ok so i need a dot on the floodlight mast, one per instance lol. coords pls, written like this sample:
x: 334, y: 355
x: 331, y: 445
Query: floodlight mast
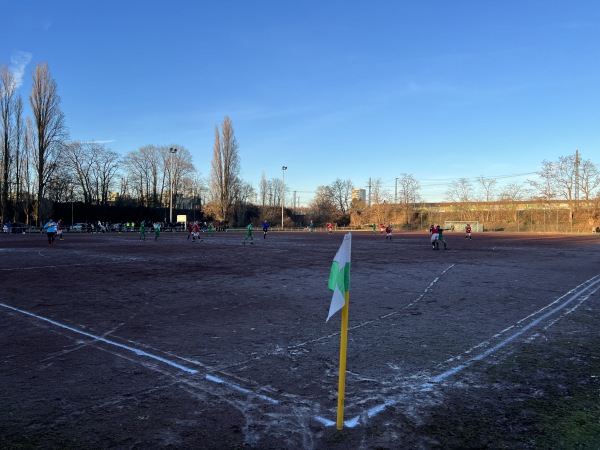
x: 173, y: 151
x: 283, y: 169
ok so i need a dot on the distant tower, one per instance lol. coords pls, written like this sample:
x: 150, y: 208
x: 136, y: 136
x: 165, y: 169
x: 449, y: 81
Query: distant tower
x: 359, y: 194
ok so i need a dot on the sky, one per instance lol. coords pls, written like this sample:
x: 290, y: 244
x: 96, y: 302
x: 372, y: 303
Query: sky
x: 359, y: 90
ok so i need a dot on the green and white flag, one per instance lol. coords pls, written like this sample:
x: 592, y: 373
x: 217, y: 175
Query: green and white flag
x: 339, y: 276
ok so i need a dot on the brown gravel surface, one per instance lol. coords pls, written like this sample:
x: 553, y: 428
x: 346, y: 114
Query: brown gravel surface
x: 112, y: 342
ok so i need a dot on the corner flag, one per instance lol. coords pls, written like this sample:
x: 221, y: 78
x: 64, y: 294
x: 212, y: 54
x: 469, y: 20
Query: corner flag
x: 339, y: 276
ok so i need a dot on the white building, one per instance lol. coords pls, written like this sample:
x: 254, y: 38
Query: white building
x: 359, y: 194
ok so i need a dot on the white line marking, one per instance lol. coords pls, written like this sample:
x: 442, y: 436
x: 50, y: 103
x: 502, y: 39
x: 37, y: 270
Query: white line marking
x: 235, y: 387
x: 588, y: 288
x: 385, y: 316
x: 101, y: 339
x: 211, y: 378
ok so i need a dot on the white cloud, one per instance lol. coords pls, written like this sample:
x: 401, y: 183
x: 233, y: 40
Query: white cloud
x: 19, y: 61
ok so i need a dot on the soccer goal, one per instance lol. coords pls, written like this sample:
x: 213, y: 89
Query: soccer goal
x: 461, y: 225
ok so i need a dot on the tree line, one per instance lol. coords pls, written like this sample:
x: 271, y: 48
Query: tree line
x: 41, y: 166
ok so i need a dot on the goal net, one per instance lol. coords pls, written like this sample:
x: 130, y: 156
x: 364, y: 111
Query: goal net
x: 461, y: 225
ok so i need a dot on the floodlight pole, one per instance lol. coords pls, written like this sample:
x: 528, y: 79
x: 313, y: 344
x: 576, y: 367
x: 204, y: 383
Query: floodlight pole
x: 173, y: 151
x: 283, y: 169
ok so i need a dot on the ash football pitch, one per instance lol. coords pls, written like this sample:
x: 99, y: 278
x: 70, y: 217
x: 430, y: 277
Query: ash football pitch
x: 109, y: 341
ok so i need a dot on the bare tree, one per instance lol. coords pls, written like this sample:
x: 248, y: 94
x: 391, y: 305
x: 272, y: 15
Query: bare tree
x: 408, y: 194
x: 565, y: 177
x: 322, y: 208
x: 148, y: 170
x: 142, y: 176
x: 28, y: 170
x: 380, y: 198
x: 512, y: 193
x: 18, y: 135
x: 79, y: 157
x: 156, y: 183
x: 460, y: 191
x: 59, y: 187
x: 242, y: 203
x: 7, y: 105
x: 91, y: 167
x: 487, y: 186
x: 50, y: 130
x: 264, y: 190
x: 545, y: 189
x: 342, y: 194
x: 107, y: 164
x: 275, y: 185
x: 558, y: 179
x: 379, y: 194
x: 589, y: 179
x: 225, y: 169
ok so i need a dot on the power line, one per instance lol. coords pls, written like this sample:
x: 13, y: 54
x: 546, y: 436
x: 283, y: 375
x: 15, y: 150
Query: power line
x: 446, y: 181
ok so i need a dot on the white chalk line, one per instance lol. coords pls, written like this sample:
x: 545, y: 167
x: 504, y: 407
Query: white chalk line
x: 385, y: 316
x: 375, y: 410
x: 213, y: 378
x: 139, y: 352
x: 101, y: 339
x: 586, y: 287
x: 584, y: 290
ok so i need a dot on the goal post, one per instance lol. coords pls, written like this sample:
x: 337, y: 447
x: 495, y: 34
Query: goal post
x: 461, y: 225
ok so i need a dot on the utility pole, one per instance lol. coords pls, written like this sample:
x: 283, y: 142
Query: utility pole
x: 369, y: 191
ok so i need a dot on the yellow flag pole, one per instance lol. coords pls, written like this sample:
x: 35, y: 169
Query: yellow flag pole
x: 342, y: 376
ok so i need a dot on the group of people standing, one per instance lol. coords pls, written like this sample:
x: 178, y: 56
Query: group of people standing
x: 437, y: 235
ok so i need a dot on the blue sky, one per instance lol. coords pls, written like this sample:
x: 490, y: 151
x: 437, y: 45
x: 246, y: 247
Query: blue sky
x: 332, y: 89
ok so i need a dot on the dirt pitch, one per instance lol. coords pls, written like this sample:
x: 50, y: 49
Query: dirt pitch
x: 111, y: 342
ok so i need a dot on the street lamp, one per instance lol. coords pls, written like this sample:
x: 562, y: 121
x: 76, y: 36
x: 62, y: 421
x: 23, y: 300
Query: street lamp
x: 173, y: 151
x: 283, y: 169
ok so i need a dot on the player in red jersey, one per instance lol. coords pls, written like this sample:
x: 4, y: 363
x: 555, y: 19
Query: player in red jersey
x: 468, y: 231
x: 435, y: 235
x: 195, y: 232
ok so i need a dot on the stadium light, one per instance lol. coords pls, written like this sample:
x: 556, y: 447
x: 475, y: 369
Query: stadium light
x: 173, y: 151
x: 283, y: 169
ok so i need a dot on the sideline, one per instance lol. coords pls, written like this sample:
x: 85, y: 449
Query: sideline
x: 101, y: 339
x: 138, y: 352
